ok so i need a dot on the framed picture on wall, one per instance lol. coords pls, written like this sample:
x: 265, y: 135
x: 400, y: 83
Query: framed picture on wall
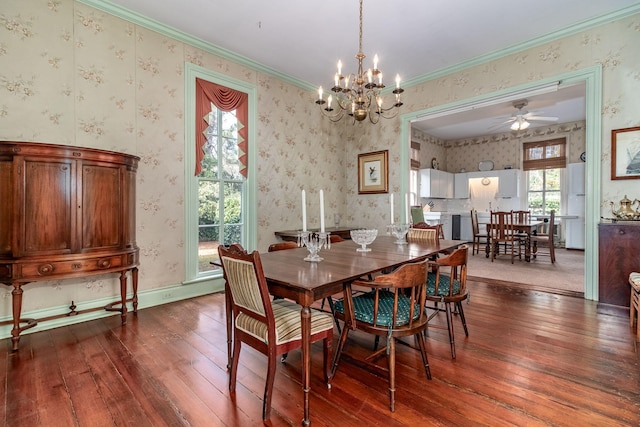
x: 373, y: 172
x: 625, y: 153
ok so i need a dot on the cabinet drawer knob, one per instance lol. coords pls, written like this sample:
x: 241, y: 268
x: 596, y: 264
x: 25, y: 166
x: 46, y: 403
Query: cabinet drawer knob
x: 621, y: 232
x: 45, y: 269
x: 104, y: 263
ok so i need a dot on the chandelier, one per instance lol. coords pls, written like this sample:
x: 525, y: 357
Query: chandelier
x: 358, y: 95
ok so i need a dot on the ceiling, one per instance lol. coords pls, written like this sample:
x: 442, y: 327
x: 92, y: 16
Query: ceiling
x: 303, y: 40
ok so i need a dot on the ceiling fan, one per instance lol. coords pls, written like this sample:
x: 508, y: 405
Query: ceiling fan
x: 521, y: 118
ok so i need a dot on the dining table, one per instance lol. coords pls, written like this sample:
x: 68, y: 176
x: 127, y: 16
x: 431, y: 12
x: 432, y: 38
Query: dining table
x: 526, y: 227
x: 290, y: 276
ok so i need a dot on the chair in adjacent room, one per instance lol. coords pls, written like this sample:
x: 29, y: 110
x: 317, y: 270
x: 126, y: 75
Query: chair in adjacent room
x: 545, y: 240
x: 393, y: 309
x: 417, y: 215
x: 521, y: 217
x: 479, y: 238
x: 447, y: 284
x: 502, y: 233
x: 272, y: 327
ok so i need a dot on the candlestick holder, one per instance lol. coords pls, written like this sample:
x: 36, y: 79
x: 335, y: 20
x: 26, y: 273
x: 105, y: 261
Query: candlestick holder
x: 399, y: 231
x: 314, y: 242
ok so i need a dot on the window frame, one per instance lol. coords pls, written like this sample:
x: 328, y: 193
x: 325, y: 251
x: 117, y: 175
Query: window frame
x: 249, y: 199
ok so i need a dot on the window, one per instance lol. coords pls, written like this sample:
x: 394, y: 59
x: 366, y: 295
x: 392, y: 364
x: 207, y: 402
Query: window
x: 544, y: 193
x: 220, y: 188
x: 544, y: 161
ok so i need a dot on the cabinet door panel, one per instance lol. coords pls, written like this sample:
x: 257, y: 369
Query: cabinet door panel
x: 46, y: 225
x: 6, y: 207
x: 101, y: 206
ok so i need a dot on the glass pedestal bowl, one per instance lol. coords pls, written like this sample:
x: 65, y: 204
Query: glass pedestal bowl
x: 364, y: 237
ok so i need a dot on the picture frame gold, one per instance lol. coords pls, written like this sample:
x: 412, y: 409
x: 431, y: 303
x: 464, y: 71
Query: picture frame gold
x: 625, y: 153
x: 373, y: 172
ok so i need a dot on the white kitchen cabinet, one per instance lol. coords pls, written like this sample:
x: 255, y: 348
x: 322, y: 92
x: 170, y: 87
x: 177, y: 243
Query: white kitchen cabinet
x: 466, y: 232
x: 461, y: 185
x: 509, y: 183
x: 436, y: 184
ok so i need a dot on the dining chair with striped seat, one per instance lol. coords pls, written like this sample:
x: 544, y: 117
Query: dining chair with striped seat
x: 272, y: 327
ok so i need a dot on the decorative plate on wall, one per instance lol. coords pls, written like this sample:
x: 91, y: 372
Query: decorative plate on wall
x: 485, y: 165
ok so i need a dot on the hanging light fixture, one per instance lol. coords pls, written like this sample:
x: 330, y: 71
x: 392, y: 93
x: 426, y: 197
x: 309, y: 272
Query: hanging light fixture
x: 358, y: 95
x: 520, y: 123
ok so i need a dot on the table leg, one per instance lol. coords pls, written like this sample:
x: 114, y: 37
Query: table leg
x: 527, y: 248
x: 305, y: 318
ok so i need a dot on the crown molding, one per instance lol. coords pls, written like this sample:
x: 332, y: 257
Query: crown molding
x: 151, y: 24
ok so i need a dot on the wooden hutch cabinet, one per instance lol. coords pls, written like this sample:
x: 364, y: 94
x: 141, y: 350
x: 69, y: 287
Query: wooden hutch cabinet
x: 65, y: 212
x: 619, y: 246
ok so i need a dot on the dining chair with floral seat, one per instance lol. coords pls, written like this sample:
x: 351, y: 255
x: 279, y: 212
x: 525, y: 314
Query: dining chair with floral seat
x: 393, y: 309
x: 447, y: 285
x: 272, y: 327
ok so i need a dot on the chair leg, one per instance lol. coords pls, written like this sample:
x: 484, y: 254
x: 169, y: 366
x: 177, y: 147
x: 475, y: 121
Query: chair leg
x: 464, y: 321
x: 333, y: 313
x: 391, y: 359
x: 450, y: 327
x: 423, y: 353
x: 327, y: 347
x: 337, y: 354
x: 552, y: 253
x: 234, y: 365
x: 268, y: 388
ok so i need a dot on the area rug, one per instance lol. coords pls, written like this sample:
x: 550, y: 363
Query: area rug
x: 565, y: 276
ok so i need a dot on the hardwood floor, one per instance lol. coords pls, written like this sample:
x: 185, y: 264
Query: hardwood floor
x: 531, y: 358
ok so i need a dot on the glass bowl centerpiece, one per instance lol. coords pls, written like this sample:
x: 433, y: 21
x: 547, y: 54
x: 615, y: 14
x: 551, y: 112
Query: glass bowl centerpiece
x: 364, y: 237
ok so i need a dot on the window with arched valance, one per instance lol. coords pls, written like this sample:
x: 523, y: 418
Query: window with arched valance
x: 225, y: 99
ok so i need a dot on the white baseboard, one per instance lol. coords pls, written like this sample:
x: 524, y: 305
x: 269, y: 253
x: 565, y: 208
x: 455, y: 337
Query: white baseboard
x: 146, y: 299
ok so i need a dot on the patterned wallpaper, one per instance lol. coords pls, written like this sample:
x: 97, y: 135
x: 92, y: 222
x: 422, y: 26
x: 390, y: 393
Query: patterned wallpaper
x: 70, y: 74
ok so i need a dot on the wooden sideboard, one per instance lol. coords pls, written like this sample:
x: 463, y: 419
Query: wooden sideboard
x: 619, y: 255
x: 65, y: 212
x: 292, y: 235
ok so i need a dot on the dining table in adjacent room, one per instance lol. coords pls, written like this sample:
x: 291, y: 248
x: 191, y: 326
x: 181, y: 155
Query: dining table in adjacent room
x: 527, y: 227
x: 289, y: 276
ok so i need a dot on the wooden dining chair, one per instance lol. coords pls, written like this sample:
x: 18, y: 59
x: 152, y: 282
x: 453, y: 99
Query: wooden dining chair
x: 479, y: 238
x: 522, y: 238
x: 502, y: 233
x: 447, y: 284
x: 272, y: 327
x: 437, y: 227
x: 422, y: 234
x: 545, y: 240
x: 393, y: 309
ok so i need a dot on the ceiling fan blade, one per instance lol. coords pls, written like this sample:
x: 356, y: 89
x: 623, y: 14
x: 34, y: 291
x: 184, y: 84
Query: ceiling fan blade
x: 543, y: 119
x: 499, y: 125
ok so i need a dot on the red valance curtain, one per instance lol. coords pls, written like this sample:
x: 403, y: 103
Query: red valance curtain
x: 226, y: 100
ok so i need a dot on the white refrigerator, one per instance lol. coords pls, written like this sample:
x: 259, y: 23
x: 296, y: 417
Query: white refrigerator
x: 575, y: 228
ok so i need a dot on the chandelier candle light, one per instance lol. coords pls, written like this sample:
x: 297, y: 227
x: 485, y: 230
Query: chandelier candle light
x: 359, y: 95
